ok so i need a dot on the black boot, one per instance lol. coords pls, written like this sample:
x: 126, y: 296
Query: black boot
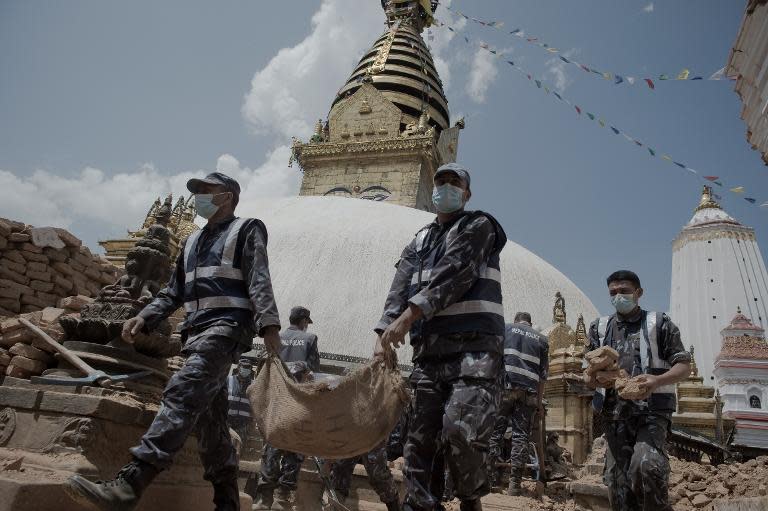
x: 394, y: 506
x: 120, y: 494
x: 515, y: 483
x: 471, y: 505
x: 226, y: 496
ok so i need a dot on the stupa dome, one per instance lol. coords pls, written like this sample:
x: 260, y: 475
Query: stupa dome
x: 336, y: 256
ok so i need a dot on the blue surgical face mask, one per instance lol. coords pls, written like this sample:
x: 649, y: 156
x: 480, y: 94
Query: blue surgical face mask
x: 204, y: 205
x: 244, y: 372
x: 624, y: 304
x: 447, y: 198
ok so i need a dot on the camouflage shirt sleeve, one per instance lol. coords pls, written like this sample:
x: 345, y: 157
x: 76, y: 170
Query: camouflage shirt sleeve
x: 168, y: 299
x: 397, y: 299
x: 671, y: 344
x: 458, y: 269
x: 256, y: 268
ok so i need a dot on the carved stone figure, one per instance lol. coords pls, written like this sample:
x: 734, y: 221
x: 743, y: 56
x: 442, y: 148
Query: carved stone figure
x: 558, y: 311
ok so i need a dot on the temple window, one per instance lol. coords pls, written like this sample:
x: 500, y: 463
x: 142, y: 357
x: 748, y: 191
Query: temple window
x: 754, y: 402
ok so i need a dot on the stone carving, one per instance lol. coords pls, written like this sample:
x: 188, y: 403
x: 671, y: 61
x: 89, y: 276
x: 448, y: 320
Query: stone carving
x: 148, y: 267
x: 558, y: 311
x: 7, y: 424
x: 78, y: 434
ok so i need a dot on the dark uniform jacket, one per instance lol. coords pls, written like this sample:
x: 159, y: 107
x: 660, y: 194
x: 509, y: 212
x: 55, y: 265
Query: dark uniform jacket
x: 198, y: 281
x: 451, y: 273
x: 526, y: 357
x: 299, y: 346
x: 628, y: 335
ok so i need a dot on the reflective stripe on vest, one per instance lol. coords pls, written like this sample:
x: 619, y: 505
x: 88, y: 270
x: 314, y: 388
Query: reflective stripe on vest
x: 223, y: 276
x: 522, y: 371
x: 478, y: 310
x: 602, y: 329
x: 238, y: 406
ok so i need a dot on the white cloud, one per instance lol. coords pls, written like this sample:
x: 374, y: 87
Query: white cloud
x: 648, y: 8
x: 442, y: 39
x: 482, y: 74
x: 557, y: 70
x: 122, y: 199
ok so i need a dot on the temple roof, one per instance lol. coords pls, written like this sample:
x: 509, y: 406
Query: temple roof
x: 743, y: 340
x: 741, y: 323
x: 400, y: 66
x: 709, y: 212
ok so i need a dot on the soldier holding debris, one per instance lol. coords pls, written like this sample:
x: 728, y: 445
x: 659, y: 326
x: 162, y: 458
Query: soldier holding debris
x: 637, y: 413
x: 222, y: 281
x: 526, y: 360
x: 447, y: 293
x: 280, y: 469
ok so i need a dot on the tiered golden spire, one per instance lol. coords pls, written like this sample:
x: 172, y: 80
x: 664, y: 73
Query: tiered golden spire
x: 707, y: 202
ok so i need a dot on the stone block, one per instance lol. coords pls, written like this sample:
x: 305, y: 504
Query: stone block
x: 39, y: 275
x: 82, y: 259
x: 64, y: 284
x: 74, y: 303
x: 9, y: 292
x: 63, y: 268
x: 55, y: 255
x: 51, y: 315
x: 46, y: 237
x: 13, y: 266
x: 36, y: 301
x: 15, y: 371
x: 50, y: 300
x: 76, y: 265
x: 15, y: 285
x: 5, y: 228
x: 5, y: 358
x: 31, y: 353
x: 3, y: 243
x: 15, y: 256
x: 34, y: 256
x: 68, y: 238
x: 93, y: 273
x: 11, y: 305
x: 38, y: 267
x: 39, y: 285
x: 8, y: 274
x: 18, y: 237
x: 29, y: 247
x: 23, y: 336
x: 33, y: 366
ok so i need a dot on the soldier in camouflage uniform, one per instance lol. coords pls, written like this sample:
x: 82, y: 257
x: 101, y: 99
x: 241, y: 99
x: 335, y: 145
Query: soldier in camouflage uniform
x: 636, y: 463
x: 222, y: 280
x: 379, y: 475
x: 447, y: 293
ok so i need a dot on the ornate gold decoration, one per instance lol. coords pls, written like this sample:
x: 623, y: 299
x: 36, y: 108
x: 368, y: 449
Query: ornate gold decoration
x: 581, y: 331
x: 380, y: 62
x: 707, y: 202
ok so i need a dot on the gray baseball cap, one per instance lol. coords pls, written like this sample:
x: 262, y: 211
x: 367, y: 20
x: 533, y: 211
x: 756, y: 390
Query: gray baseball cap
x: 214, y: 178
x: 298, y: 313
x: 454, y: 168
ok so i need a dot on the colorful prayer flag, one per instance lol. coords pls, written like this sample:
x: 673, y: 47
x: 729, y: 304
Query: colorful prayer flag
x: 750, y: 200
x: 578, y: 110
x: 650, y: 83
x: 738, y: 189
x: 711, y: 178
x: 591, y: 116
x: 653, y: 153
x: 615, y: 130
x: 683, y: 75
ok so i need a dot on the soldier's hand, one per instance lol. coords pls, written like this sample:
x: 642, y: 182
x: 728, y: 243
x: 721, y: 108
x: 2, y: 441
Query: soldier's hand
x: 131, y: 329
x: 395, y: 333
x: 649, y: 384
x: 272, y: 340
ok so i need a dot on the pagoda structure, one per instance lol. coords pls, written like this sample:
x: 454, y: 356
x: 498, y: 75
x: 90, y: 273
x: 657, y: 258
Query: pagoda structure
x: 388, y: 128
x: 741, y: 369
x: 716, y: 265
x: 699, y: 407
x: 181, y: 225
x: 569, y: 409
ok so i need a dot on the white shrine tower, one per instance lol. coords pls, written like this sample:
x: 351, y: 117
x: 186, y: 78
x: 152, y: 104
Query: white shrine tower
x: 716, y: 267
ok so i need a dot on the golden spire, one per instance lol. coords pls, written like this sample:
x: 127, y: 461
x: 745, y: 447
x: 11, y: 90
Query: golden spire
x: 707, y: 202
x: 694, y: 369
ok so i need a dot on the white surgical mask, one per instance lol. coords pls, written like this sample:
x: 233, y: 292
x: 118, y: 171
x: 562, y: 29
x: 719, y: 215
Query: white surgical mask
x: 204, y: 205
x: 244, y: 372
x: 447, y: 198
x: 624, y: 304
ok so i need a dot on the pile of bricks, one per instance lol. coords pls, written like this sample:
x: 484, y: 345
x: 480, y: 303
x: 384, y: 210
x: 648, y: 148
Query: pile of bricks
x: 22, y: 353
x: 40, y: 266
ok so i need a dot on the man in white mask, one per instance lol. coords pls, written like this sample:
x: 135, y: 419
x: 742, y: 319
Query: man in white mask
x: 222, y: 281
x: 446, y: 293
x: 649, y: 345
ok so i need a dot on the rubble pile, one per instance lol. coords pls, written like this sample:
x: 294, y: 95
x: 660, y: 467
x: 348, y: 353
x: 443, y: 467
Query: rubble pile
x: 40, y: 266
x: 696, y: 486
x: 22, y: 353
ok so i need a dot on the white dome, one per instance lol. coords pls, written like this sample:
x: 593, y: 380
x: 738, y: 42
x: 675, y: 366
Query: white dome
x: 709, y: 216
x: 336, y: 256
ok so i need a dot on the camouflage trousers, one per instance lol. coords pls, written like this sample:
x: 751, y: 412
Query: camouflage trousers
x: 375, y: 463
x: 279, y: 468
x: 454, y: 406
x: 516, y: 413
x: 195, y: 400
x: 636, y: 463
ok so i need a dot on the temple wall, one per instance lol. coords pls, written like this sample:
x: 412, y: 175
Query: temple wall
x: 40, y: 266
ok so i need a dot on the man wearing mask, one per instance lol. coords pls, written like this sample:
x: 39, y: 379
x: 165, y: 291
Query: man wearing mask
x: 222, y: 281
x: 239, y: 407
x: 280, y: 469
x: 447, y: 293
x: 648, y: 343
x: 526, y: 360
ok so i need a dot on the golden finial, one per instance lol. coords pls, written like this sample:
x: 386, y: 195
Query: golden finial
x: 707, y: 202
x: 581, y: 330
x: 738, y: 309
x: 694, y: 369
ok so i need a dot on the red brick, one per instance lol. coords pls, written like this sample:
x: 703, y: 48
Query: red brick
x: 30, y: 352
x: 17, y: 372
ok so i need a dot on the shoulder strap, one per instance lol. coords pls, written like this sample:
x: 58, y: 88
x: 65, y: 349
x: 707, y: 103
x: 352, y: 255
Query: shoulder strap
x: 602, y: 328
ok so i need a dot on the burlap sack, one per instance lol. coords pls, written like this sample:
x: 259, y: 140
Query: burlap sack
x: 347, y: 420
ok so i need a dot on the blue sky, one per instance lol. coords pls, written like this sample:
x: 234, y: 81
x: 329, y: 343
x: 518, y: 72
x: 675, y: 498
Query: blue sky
x: 106, y: 104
